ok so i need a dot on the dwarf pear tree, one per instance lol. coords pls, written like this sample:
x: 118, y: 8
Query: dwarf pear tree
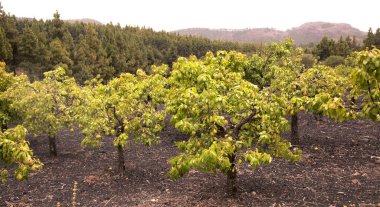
x: 318, y: 90
x: 126, y: 108
x: 230, y: 120
x: 45, y: 106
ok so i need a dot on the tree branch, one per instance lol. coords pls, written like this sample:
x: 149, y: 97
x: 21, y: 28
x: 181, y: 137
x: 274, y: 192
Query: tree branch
x: 266, y: 63
x: 237, y: 128
x: 369, y: 92
x: 119, y: 127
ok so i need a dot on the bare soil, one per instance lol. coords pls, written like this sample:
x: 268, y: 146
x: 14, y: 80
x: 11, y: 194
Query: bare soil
x: 339, y: 168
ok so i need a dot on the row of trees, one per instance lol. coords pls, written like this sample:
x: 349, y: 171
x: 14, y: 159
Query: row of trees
x: 14, y: 149
x: 329, y: 47
x: 87, y: 50
x: 234, y: 107
x: 372, y: 39
x: 333, y: 53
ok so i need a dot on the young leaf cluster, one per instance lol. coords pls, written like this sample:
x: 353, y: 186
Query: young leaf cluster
x: 14, y: 149
x: 6, y: 113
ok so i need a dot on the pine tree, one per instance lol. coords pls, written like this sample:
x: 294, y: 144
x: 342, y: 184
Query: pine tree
x: 58, y: 54
x: 28, y: 46
x: 8, y: 24
x: 5, y: 47
x: 370, y: 40
x: 325, y: 48
x: 355, y: 45
x: 342, y: 47
x: 68, y: 42
x: 57, y: 30
x: 91, y: 57
x: 377, y: 38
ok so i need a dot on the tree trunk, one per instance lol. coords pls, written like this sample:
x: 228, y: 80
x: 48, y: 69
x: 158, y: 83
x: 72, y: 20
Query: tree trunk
x: 295, y: 139
x: 353, y: 102
x: 121, y: 165
x: 231, y: 177
x: 4, y: 126
x: 52, y: 146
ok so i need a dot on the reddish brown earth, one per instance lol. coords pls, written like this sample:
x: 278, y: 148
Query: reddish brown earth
x: 339, y: 168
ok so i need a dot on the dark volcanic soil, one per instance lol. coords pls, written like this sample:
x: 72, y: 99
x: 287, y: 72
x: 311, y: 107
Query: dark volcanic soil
x: 339, y: 167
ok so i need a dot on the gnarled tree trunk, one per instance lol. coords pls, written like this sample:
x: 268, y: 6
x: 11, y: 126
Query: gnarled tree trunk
x: 232, y: 171
x: 52, y: 146
x: 352, y: 102
x: 121, y: 165
x: 295, y: 139
x: 231, y: 177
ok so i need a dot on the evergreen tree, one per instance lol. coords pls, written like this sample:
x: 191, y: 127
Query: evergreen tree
x: 42, y: 58
x: 325, y: 48
x: 5, y: 47
x: 342, y: 47
x: 91, y: 58
x: 377, y: 38
x: 105, y: 50
x: 57, y: 30
x: 28, y: 46
x: 370, y: 40
x: 348, y: 41
x: 58, y: 54
x: 8, y: 24
x: 355, y: 45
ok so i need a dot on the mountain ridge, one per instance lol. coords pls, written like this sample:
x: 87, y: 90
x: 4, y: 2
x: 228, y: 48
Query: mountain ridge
x: 309, y: 32
x: 82, y: 20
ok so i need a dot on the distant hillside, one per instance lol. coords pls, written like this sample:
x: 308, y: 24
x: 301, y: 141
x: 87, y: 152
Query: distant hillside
x: 85, y: 20
x: 306, y: 33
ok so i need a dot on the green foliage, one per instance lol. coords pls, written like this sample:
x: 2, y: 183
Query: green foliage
x: 333, y: 61
x: 57, y: 27
x: 45, y: 106
x: 14, y: 149
x: 322, y: 90
x: 343, y: 47
x: 329, y: 47
x: 308, y: 60
x: 28, y: 46
x: 272, y: 64
x: 6, y: 113
x: 224, y: 114
x: 91, y: 58
x: 125, y: 107
x: 377, y: 38
x: 366, y: 79
x: 319, y: 89
x: 303, y: 89
x: 321, y: 79
x: 325, y: 48
x: 58, y: 54
x: 369, y: 42
x: 36, y: 46
x: 5, y: 47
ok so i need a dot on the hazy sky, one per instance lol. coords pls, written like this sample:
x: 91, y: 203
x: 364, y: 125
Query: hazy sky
x: 178, y: 14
